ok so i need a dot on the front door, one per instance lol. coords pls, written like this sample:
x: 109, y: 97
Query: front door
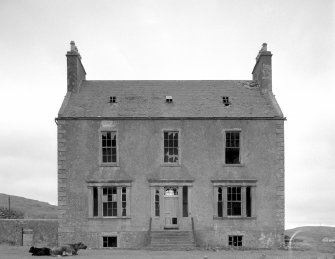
x: 171, y: 201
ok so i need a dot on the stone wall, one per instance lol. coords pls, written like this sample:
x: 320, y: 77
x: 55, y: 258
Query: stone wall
x: 39, y: 232
x: 140, y: 157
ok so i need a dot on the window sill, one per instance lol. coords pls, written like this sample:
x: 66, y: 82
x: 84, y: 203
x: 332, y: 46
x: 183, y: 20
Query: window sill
x: 108, y: 218
x: 234, y: 165
x: 171, y: 165
x: 109, y: 165
x: 234, y: 217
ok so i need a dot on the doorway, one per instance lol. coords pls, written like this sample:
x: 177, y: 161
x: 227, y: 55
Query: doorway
x: 171, y: 204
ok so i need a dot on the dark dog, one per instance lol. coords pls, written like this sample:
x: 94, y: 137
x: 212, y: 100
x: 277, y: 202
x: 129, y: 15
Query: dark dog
x: 69, y: 249
x: 39, y: 251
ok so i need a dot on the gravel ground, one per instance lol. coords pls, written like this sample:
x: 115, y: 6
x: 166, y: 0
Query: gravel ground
x: 12, y: 252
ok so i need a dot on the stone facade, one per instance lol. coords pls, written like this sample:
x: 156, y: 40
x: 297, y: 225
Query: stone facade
x: 142, y: 179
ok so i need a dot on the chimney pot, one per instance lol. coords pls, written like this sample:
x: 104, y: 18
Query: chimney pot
x: 73, y: 46
x: 264, y: 47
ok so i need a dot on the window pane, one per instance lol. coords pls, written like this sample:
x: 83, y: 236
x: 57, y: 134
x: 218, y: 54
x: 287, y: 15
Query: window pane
x: 124, y: 210
x: 237, y: 209
x: 175, y: 142
x: 114, y: 213
x: 233, y: 140
x: 248, y: 201
x: 105, y: 213
x: 104, y: 159
x: 220, y: 197
x: 232, y: 156
x: 238, y: 196
x: 171, y: 156
x: 229, y: 210
x: 95, y: 201
x: 185, y: 201
x: 113, y: 159
x: 220, y: 209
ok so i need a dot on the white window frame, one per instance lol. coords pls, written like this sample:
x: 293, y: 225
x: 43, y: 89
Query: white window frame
x: 243, y: 183
x: 109, y: 234
x: 100, y: 186
x: 178, y: 163
x: 108, y: 126
x: 239, y: 130
x: 242, y: 241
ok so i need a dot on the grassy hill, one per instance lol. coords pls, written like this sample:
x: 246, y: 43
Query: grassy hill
x: 313, y: 238
x: 32, y: 209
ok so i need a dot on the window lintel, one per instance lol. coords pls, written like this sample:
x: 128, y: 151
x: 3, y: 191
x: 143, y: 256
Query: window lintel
x: 234, y: 182
x: 119, y: 183
x: 158, y: 183
x: 233, y: 217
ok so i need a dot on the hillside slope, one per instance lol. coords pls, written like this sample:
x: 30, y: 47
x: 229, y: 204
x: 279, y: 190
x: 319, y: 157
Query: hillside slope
x: 32, y: 209
x: 314, y: 238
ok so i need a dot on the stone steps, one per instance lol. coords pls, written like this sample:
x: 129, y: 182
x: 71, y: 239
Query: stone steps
x: 172, y: 240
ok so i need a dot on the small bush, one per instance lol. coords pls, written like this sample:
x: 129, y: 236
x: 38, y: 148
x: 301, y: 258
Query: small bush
x: 5, y: 213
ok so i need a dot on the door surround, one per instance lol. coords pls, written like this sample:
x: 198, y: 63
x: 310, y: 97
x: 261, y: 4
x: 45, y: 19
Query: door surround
x: 157, y: 191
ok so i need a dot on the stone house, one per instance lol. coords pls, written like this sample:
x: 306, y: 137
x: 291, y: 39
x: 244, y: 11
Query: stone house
x: 142, y: 160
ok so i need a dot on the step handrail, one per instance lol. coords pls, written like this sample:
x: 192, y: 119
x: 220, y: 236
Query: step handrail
x: 149, y: 231
x: 193, y: 231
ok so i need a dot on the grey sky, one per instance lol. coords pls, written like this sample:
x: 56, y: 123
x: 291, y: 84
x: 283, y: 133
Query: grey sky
x: 170, y: 39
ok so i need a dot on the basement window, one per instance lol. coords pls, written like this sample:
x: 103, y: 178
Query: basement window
x: 225, y: 100
x: 168, y: 99
x: 109, y: 241
x: 112, y: 99
x: 235, y: 241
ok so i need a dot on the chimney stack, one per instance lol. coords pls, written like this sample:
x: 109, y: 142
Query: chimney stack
x: 262, y: 72
x: 75, y: 69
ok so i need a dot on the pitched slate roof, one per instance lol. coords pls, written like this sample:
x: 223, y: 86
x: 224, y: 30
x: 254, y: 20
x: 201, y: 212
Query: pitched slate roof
x: 191, y: 99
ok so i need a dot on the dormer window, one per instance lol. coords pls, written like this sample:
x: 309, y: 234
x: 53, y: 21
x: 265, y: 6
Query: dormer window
x: 168, y: 99
x: 112, y: 99
x: 225, y: 100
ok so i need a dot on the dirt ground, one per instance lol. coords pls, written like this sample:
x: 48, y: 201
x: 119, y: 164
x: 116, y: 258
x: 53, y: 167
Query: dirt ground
x: 13, y: 252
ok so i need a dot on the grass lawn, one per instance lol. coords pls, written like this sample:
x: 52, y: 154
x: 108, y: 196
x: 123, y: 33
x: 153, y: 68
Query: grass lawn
x: 14, y: 252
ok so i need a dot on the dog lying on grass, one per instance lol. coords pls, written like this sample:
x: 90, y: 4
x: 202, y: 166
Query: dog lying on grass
x: 39, y: 251
x: 69, y: 249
